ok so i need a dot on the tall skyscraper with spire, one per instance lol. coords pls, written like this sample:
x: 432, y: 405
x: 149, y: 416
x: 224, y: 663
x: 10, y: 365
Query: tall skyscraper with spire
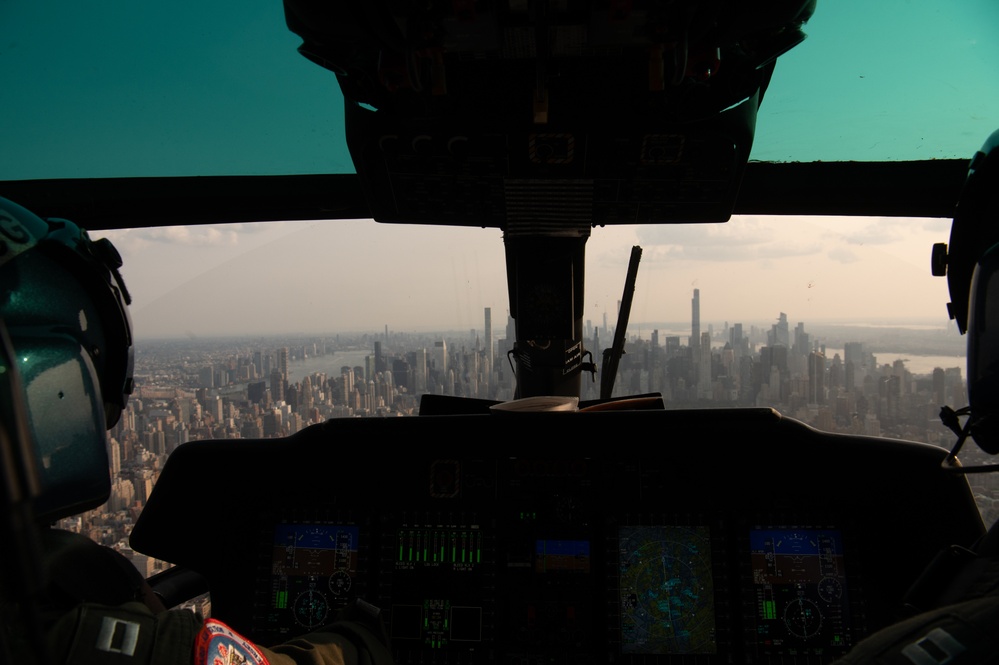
x: 695, y: 324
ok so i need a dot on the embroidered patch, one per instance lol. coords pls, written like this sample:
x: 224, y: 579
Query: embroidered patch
x: 218, y: 644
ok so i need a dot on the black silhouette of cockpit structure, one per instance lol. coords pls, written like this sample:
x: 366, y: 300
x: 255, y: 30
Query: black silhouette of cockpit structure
x: 545, y: 120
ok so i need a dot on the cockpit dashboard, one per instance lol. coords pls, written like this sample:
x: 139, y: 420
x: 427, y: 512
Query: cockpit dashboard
x: 641, y: 537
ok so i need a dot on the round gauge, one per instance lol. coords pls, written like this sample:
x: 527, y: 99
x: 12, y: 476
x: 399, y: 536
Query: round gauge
x: 803, y: 618
x: 830, y: 590
x: 340, y: 583
x: 311, y: 609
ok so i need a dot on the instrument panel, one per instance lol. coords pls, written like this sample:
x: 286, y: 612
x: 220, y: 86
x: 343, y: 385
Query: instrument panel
x: 645, y: 587
x: 724, y: 551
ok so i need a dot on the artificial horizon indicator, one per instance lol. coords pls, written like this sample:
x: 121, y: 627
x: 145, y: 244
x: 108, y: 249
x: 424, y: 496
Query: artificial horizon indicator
x: 800, y: 586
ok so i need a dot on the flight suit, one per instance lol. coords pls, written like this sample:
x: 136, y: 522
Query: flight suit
x: 97, y: 610
x: 130, y: 634
x: 964, y: 633
x: 959, y: 593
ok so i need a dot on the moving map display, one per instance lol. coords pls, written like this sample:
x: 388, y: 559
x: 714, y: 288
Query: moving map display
x: 667, y: 590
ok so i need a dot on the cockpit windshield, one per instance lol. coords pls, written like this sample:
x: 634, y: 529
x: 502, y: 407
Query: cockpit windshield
x: 218, y: 89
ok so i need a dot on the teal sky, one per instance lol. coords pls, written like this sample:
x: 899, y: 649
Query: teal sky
x: 197, y: 87
x: 115, y: 88
x: 193, y: 87
x: 885, y: 80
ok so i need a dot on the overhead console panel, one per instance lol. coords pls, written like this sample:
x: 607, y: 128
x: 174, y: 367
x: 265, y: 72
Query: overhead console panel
x: 549, y: 115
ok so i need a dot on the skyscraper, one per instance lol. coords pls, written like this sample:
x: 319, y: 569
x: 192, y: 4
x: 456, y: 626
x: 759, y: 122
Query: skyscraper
x: 939, y: 387
x: 738, y: 340
x: 489, y: 334
x: 307, y: 399
x: 853, y: 352
x: 419, y: 363
x: 802, y: 342
x: 695, y: 323
x: 654, y: 362
x: 779, y: 332
x: 816, y: 378
x: 704, y: 387
x: 283, y: 362
x: 277, y: 386
x: 440, y: 357
x: 849, y: 376
x: 115, y: 453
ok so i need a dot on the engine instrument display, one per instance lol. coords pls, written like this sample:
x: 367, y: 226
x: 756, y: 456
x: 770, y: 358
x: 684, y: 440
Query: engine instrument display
x: 435, y: 572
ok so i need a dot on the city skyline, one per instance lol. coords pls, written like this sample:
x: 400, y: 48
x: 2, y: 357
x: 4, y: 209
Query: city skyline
x: 358, y: 275
x: 188, y: 390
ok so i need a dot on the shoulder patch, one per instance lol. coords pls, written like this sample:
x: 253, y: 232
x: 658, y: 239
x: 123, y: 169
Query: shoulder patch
x: 218, y: 644
x: 101, y: 635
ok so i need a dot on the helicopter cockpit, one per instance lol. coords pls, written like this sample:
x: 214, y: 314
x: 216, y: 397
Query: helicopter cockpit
x: 736, y: 535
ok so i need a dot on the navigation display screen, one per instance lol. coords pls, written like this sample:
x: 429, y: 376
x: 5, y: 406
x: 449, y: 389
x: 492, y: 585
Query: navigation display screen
x: 800, y: 587
x: 667, y: 590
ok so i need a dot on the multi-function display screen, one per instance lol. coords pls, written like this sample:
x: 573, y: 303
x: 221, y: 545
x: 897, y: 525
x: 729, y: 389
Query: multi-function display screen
x: 313, y: 568
x: 670, y: 592
x: 800, y: 591
x: 667, y: 590
x: 435, y: 573
x: 553, y: 556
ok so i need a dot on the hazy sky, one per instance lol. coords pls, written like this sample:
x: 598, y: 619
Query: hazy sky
x: 347, y: 275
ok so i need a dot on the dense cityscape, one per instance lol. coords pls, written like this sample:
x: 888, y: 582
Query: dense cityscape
x: 250, y: 388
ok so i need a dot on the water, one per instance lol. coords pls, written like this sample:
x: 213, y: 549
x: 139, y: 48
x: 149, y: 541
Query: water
x: 915, y: 363
x: 329, y: 364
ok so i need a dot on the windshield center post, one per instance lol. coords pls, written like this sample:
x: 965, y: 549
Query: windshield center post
x: 545, y: 281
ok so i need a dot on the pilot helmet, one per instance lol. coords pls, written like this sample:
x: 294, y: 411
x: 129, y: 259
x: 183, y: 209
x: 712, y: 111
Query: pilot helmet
x: 65, y: 309
x: 973, y: 231
x: 983, y: 352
